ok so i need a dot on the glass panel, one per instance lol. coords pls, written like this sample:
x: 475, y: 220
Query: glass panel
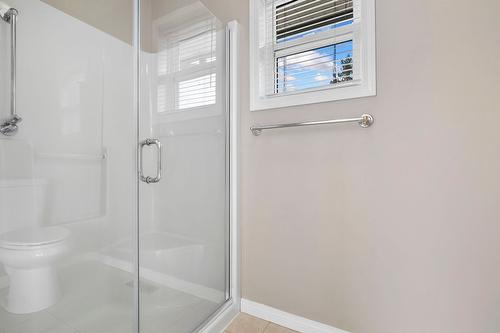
x: 183, y: 217
x: 68, y: 188
x: 315, y: 68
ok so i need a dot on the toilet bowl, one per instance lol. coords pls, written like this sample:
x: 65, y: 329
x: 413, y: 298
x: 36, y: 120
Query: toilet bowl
x: 29, y: 256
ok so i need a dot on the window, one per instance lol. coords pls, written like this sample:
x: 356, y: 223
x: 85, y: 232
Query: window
x: 308, y: 51
x: 187, y: 68
x: 315, y: 68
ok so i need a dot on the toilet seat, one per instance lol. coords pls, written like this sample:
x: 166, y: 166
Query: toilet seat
x: 29, y: 238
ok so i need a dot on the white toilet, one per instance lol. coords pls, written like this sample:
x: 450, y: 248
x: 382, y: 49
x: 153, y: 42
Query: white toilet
x: 28, y: 250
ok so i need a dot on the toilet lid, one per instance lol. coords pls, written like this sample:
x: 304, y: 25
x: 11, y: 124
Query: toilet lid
x: 33, y: 236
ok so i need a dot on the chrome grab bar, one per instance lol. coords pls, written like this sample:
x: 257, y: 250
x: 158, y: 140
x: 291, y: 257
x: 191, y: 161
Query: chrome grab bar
x: 9, y: 127
x: 366, y: 120
x: 147, y: 179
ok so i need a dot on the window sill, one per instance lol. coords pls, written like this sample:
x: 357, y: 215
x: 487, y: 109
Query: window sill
x: 329, y: 94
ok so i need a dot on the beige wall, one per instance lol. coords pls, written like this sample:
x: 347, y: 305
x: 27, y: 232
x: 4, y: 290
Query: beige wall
x: 393, y: 229
x: 114, y: 17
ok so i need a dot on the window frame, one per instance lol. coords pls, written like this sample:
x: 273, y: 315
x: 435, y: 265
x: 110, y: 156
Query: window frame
x: 323, y: 39
x: 363, y: 39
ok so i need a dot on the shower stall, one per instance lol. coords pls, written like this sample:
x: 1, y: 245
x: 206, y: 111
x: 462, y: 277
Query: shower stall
x: 118, y: 167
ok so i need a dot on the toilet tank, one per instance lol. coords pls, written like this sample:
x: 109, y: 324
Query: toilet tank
x: 22, y: 203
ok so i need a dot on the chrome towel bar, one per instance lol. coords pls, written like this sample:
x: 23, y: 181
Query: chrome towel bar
x: 366, y: 120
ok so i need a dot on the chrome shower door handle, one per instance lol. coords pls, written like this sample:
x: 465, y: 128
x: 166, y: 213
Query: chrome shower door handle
x: 147, y: 179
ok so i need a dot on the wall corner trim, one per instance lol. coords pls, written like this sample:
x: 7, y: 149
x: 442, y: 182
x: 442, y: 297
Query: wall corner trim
x: 285, y: 319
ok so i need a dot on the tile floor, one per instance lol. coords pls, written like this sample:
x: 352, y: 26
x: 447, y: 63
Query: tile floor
x: 244, y: 323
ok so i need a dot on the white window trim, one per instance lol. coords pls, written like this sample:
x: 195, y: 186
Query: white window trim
x: 364, y: 87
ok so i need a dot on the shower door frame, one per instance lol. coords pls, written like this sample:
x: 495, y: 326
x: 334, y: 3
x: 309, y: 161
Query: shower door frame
x: 232, y: 307
x: 229, y: 309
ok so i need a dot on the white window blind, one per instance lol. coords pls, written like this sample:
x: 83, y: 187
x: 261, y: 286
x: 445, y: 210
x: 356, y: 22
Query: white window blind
x: 196, y: 92
x: 310, y: 45
x: 297, y: 17
x: 197, y: 49
x: 187, y: 68
x: 305, y: 46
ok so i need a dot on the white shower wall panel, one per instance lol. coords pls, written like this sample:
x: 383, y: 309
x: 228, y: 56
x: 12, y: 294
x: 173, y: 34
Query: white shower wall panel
x: 75, y: 95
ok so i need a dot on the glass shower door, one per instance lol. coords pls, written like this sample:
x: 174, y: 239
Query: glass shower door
x: 183, y: 192
x: 68, y: 188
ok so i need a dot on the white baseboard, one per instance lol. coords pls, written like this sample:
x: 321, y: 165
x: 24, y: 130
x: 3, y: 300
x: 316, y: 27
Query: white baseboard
x: 285, y: 319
